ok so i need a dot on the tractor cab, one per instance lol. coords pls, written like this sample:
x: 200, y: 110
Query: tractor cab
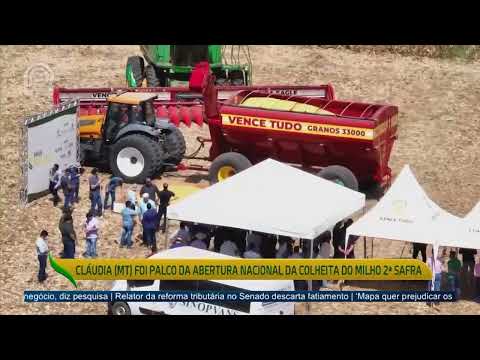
x: 127, y: 109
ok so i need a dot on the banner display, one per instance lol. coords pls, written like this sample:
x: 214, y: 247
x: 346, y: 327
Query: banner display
x: 48, y: 138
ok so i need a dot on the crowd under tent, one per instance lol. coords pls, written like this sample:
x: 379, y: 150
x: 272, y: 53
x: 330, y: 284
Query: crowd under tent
x: 274, y: 198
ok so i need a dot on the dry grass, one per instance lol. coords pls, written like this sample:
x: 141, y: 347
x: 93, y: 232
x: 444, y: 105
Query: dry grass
x: 460, y: 52
x: 439, y: 103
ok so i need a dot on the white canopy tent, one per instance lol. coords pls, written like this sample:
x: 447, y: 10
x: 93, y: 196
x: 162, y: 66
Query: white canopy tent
x: 474, y: 214
x: 271, y: 197
x: 406, y: 213
x: 465, y: 233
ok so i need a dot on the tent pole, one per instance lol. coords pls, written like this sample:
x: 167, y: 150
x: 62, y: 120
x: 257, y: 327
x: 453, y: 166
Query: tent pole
x: 364, y: 238
x: 310, y: 282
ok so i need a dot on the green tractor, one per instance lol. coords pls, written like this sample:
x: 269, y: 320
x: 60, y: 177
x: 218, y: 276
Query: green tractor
x: 171, y: 65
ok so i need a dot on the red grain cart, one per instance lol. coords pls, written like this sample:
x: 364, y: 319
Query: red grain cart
x: 349, y: 142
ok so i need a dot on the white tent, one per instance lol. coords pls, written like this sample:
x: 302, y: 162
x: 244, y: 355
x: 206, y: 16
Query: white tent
x: 474, y: 214
x: 465, y: 233
x: 406, y: 213
x: 274, y: 198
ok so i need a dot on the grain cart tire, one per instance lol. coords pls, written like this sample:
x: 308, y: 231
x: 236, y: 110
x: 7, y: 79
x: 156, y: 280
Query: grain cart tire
x: 227, y: 165
x: 151, y: 76
x: 121, y: 308
x: 340, y: 175
x: 175, y: 146
x: 135, y: 70
x: 136, y: 157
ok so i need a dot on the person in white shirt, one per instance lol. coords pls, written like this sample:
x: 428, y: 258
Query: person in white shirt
x: 54, y: 183
x: 132, y: 195
x: 42, y: 253
x: 91, y: 235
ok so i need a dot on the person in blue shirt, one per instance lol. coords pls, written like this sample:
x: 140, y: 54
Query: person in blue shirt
x: 67, y: 187
x: 128, y: 222
x: 112, y: 185
x: 95, y: 196
x: 75, y: 180
x: 150, y: 225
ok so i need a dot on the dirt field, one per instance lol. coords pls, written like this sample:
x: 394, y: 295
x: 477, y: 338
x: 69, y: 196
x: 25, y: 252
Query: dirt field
x: 439, y: 103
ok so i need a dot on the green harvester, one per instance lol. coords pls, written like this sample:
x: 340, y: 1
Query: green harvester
x: 171, y: 65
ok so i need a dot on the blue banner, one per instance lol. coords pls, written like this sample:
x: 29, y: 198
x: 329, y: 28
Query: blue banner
x: 252, y: 296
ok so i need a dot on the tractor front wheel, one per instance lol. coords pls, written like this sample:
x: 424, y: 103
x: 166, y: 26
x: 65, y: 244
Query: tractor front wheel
x: 341, y: 175
x: 227, y: 165
x: 136, y: 157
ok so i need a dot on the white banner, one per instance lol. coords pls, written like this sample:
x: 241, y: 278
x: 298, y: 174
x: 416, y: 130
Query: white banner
x: 51, y: 138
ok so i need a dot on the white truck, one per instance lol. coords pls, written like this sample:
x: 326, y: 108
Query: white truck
x: 241, y: 307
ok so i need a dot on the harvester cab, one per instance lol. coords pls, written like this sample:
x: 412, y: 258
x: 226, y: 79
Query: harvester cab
x: 136, y: 144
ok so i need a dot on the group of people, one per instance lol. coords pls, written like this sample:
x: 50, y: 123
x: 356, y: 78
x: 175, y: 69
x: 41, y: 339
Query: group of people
x: 68, y: 181
x: 149, y: 211
x: 451, y: 274
x: 256, y: 245
x: 241, y: 243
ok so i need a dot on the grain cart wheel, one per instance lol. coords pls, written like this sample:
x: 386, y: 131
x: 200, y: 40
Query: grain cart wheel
x: 175, y: 146
x: 121, y: 308
x: 135, y: 71
x: 151, y: 76
x: 136, y: 157
x: 341, y: 175
x: 227, y: 165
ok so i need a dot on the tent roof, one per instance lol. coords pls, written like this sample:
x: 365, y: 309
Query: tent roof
x: 406, y: 213
x: 271, y: 197
x: 474, y: 213
x: 465, y: 232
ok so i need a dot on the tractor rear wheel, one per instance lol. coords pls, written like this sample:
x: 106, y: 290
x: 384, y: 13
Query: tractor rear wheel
x: 151, y: 76
x: 227, y: 165
x: 136, y: 157
x: 341, y: 175
x: 175, y: 146
x: 135, y: 71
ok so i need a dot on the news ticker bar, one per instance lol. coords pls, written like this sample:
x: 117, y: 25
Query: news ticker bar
x: 241, y: 269
x: 252, y: 296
